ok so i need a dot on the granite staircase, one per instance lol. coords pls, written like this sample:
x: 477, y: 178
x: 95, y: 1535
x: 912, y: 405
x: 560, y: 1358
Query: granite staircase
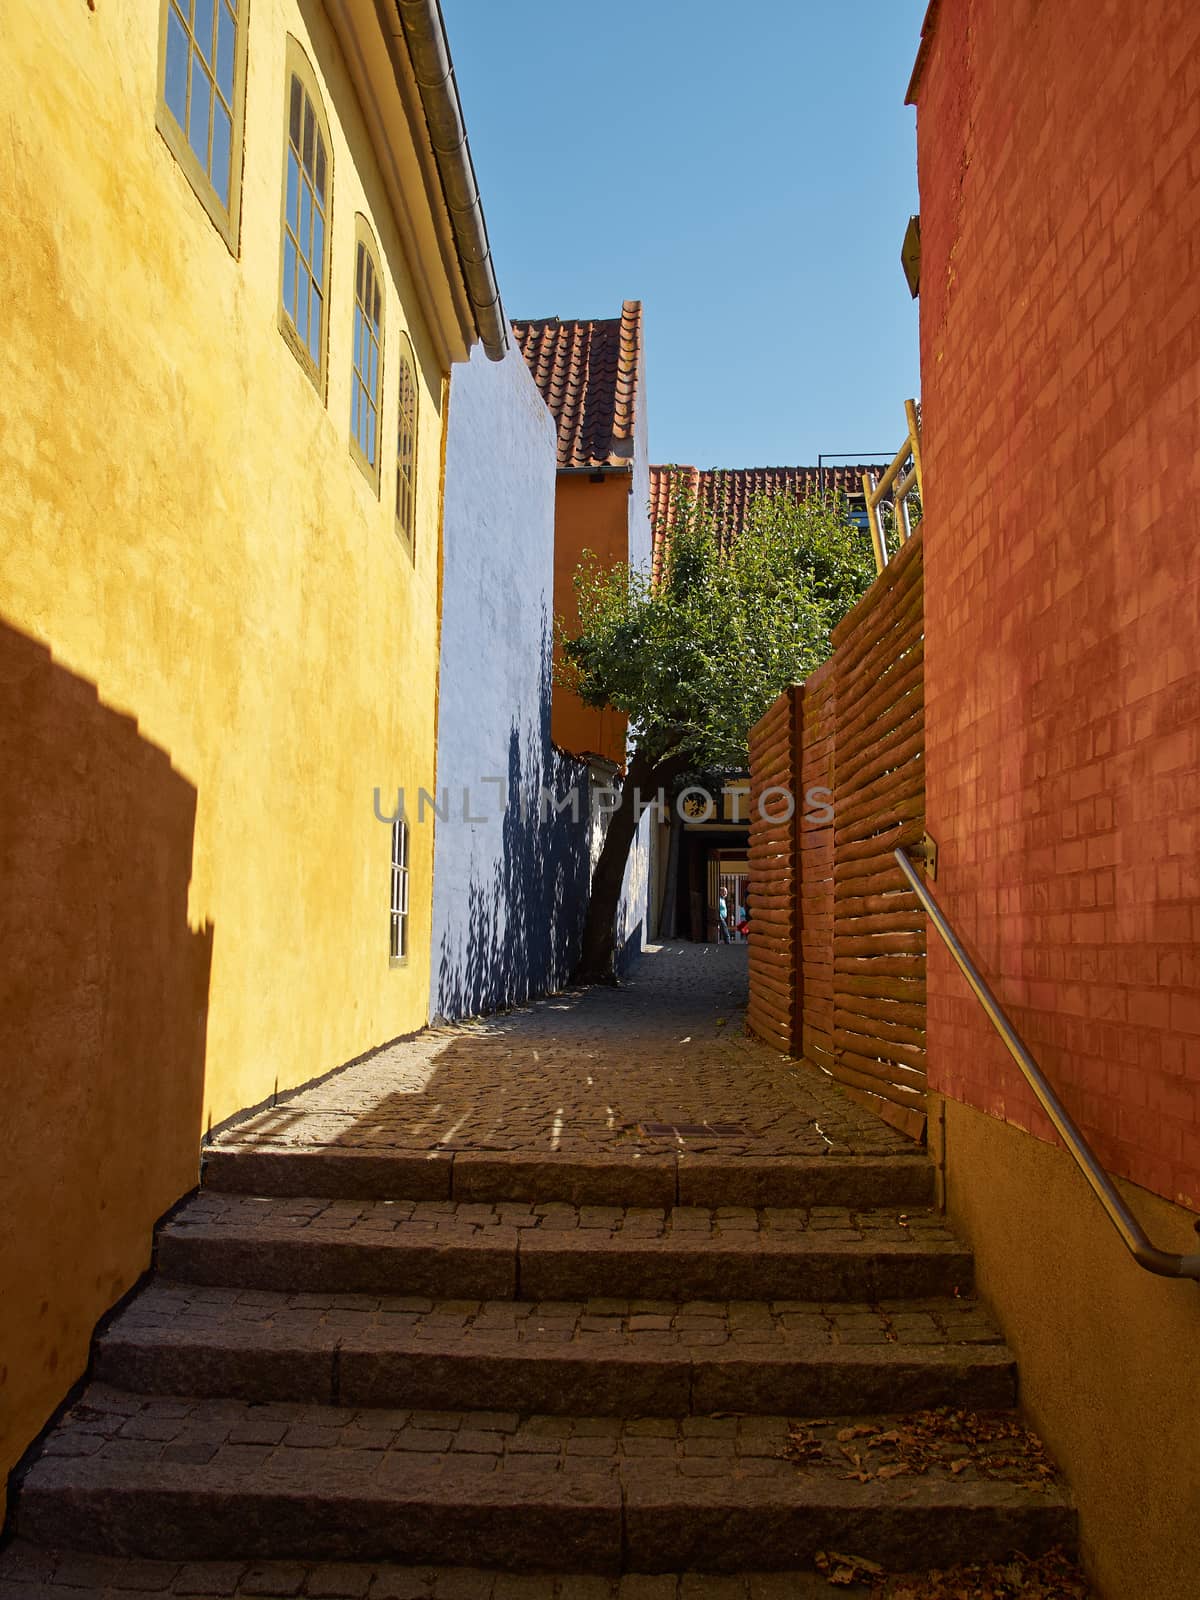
x: 354, y: 1374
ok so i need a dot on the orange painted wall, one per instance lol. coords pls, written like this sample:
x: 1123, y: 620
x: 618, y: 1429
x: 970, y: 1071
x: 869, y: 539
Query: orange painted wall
x: 587, y: 516
x: 1060, y: 362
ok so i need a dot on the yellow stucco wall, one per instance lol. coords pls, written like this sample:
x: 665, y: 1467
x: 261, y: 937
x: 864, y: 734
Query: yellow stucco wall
x: 184, y: 529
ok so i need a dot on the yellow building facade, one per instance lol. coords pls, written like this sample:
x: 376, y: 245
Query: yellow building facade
x: 218, y: 616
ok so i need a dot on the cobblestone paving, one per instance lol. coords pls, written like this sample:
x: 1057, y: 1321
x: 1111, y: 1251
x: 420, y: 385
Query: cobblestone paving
x: 585, y: 1072
x: 710, y: 1324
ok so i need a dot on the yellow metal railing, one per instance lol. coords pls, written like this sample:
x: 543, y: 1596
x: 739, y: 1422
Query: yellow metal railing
x: 901, y: 478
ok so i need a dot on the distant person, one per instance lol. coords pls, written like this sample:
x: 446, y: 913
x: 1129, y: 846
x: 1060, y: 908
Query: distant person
x: 723, y: 934
x: 743, y: 926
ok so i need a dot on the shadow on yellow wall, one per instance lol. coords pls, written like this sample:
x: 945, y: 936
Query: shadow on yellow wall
x: 102, y: 1019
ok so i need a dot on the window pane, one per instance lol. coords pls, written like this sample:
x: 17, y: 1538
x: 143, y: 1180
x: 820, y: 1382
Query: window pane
x: 202, y: 28
x: 376, y: 308
x: 359, y: 254
x: 314, y: 324
x: 220, y: 152
x: 305, y: 234
x: 289, y: 277
x: 198, y: 113
x: 320, y: 168
x: 226, y: 30
x: 302, y: 306
x: 318, y: 247
x: 309, y: 125
x: 175, y: 87
x: 355, y: 391
x: 294, y: 114
x: 293, y: 198
x: 369, y: 452
x: 373, y: 374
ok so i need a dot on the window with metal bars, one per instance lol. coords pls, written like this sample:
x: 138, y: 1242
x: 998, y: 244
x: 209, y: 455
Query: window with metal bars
x: 202, y: 74
x: 406, y: 448
x: 399, y: 920
x: 307, y: 196
x: 368, y: 343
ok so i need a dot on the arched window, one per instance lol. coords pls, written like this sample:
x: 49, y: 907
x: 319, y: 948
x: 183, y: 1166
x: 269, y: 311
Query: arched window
x: 406, y: 447
x: 307, y: 197
x: 368, y: 345
x: 201, y: 102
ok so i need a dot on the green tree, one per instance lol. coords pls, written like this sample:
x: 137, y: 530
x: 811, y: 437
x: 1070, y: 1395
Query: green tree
x: 695, y: 658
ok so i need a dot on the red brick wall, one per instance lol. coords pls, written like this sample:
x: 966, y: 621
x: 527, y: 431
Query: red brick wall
x: 1059, y: 157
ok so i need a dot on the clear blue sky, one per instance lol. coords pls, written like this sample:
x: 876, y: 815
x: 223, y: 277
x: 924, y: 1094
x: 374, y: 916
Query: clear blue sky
x: 745, y: 170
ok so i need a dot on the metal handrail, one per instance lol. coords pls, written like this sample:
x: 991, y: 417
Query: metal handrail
x: 1164, y: 1262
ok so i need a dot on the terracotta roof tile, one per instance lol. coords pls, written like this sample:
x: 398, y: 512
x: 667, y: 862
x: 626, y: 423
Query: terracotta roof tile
x: 588, y: 375
x: 727, y: 493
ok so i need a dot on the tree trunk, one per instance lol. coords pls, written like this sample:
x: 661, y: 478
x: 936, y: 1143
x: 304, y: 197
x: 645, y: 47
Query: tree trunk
x: 597, y: 957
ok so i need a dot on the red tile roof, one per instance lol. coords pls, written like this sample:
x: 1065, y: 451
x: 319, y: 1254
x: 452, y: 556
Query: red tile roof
x: 727, y: 493
x: 588, y: 375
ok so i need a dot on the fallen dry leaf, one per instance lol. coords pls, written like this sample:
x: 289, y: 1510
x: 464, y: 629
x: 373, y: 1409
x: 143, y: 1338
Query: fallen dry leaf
x: 845, y: 1570
x: 1053, y: 1576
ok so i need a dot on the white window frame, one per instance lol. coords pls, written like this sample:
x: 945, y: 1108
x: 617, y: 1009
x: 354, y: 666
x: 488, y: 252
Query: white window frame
x: 399, y: 902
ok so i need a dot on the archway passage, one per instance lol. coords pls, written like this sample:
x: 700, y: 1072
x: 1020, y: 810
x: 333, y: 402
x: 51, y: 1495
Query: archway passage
x: 704, y: 851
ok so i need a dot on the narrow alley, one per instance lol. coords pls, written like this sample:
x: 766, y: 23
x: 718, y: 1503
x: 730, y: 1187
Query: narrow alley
x: 600, y: 800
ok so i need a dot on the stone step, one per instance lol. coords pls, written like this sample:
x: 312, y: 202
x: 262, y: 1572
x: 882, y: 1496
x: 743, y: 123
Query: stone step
x: 27, y: 1571
x: 89, y: 1577
x: 646, y: 1178
x: 131, y: 1475
x: 514, y: 1250
x: 601, y: 1357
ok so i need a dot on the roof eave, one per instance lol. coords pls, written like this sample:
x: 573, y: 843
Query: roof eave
x: 429, y: 53
x: 446, y: 248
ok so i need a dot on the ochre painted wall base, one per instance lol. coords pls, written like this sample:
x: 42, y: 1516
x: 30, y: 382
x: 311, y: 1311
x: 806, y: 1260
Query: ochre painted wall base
x: 1107, y: 1353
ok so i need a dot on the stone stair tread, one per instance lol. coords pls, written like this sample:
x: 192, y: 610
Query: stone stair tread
x: 134, y: 1474
x: 616, y: 1356
x: 740, y: 1226
x: 188, y: 1311
x: 529, y: 1251
x: 26, y: 1569
x: 651, y: 1177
